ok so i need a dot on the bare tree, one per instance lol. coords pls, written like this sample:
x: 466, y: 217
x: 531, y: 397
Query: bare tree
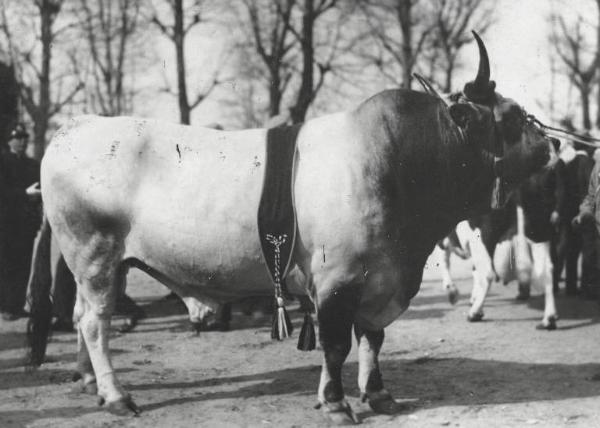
x: 34, y: 72
x: 108, y: 27
x: 297, y: 43
x: 580, y: 60
x: 401, y: 28
x: 177, y: 33
x: 453, y: 21
x: 271, y: 33
x: 308, y: 86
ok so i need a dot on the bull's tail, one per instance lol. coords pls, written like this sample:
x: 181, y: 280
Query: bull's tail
x: 40, y: 304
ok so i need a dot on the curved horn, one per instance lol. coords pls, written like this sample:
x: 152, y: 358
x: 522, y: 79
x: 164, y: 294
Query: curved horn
x: 483, y: 73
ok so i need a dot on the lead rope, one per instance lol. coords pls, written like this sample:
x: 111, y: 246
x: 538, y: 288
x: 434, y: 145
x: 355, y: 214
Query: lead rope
x: 561, y: 133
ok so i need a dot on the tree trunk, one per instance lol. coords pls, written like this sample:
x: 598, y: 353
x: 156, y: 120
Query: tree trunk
x: 584, y: 91
x: 305, y: 95
x: 598, y: 105
x: 405, y: 19
x: 178, y: 38
x: 41, y: 116
x: 448, y: 77
x: 274, y: 91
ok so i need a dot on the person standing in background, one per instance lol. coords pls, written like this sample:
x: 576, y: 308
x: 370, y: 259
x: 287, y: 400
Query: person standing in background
x: 589, y: 211
x: 21, y: 219
x: 573, y: 171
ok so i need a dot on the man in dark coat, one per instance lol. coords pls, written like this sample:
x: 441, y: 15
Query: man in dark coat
x: 21, y: 220
x: 575, y: 168
x: 589, y: 211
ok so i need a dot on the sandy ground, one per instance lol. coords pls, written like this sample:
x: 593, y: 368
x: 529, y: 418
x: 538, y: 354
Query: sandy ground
x: 497, y: 373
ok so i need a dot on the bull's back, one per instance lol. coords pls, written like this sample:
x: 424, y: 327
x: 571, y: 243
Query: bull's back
x: 84, y: 165
x: 179, y: 192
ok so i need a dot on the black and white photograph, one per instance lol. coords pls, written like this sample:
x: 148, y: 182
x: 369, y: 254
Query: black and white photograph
x: 299, y: 213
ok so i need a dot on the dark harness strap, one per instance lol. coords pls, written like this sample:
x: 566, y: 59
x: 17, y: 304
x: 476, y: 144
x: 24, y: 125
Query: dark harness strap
x: 276, y: 213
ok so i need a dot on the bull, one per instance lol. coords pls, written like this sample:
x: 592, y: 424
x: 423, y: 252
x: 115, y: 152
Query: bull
x: 375, y: 188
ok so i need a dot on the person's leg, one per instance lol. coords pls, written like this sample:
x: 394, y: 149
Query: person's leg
x: 573, y: 249
x: 125, y: 304
x: 64, y: 296
x: 19, y: 264
x: 594, y: 286
x: 589, y: 267
x: 559, y: 249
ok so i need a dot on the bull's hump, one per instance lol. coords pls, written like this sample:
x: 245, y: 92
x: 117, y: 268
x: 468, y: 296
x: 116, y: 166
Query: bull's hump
x: 400, y: 101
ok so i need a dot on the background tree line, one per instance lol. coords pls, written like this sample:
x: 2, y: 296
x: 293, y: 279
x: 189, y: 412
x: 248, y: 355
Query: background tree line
x: 264, y: 61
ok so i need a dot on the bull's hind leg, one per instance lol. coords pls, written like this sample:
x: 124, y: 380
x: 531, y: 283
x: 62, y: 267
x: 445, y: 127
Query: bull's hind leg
x: 87, y: 378
x: 370, y: 382
x: 96, y: 268
x: 336, y: 310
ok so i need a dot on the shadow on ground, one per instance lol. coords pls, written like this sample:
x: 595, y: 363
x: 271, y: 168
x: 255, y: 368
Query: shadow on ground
x: 433, y: 382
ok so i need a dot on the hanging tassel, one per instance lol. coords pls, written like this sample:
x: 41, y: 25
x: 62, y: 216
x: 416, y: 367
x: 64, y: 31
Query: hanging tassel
x: 307, y: 340
x: 282, y: 325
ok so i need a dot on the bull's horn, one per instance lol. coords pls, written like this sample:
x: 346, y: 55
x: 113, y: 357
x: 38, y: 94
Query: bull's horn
x: 481, y: 89
x: 483, y: 73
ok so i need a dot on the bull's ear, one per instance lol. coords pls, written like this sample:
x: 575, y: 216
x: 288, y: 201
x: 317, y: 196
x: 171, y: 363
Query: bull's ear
x: 461, y: 114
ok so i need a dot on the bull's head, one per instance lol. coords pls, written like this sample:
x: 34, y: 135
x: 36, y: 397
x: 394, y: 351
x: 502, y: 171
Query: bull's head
x: 500, y: 127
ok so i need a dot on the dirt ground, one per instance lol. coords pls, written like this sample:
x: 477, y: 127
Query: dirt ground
x: 497, y: 373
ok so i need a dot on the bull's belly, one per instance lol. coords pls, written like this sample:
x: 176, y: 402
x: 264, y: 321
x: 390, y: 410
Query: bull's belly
x: 225, y: 268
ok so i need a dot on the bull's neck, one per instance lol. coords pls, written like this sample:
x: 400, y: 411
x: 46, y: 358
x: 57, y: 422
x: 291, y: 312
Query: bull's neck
x: 439, y: 179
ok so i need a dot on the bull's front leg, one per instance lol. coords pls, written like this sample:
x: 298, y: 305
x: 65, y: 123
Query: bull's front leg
x: 370, y: 382
x: 336, y: 310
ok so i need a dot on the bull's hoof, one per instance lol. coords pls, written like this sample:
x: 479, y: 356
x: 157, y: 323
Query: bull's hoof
x: 548, y: 325
x: 84, y: 388
x: 452, y: 294
x: 122, y: 407
x: 382, y: 403
x: 339, y: 413
x: 128, y: 325
x: 476, y: 317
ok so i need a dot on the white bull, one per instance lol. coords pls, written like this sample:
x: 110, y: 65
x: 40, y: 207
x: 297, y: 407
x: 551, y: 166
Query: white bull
x: 375, y: 188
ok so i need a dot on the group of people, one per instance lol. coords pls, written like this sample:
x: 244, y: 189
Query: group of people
x: 21, y: 217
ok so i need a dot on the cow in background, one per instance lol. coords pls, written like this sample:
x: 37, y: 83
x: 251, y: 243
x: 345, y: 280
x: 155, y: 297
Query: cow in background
x: 511, y: 243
